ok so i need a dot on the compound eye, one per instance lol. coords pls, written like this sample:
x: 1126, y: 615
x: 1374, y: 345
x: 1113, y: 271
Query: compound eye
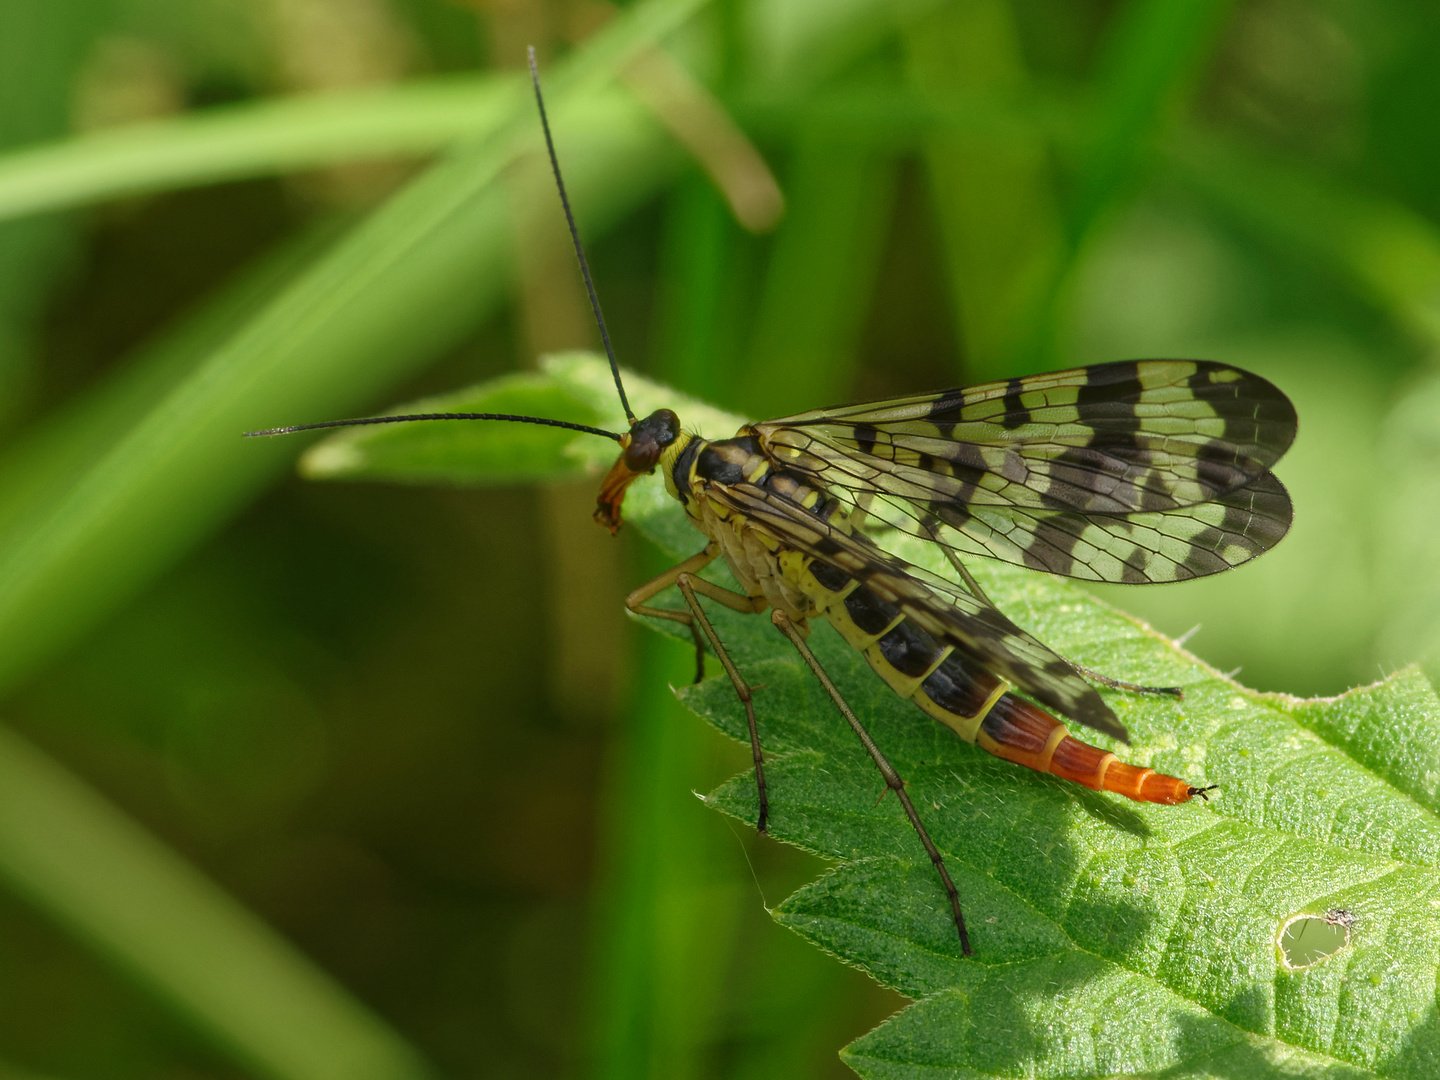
x: 649, y: 438
x: 642, y: 453
x: 664, y: 425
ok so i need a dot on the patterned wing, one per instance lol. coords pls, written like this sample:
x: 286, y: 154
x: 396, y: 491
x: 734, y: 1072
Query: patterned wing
x: 1149, y: 470
x: 976, y: 628
x: 1172, y: 545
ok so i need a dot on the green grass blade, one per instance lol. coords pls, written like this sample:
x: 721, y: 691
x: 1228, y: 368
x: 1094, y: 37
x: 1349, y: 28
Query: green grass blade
x: 402, y: 287
x: 240, y: 141
x: 236, y: 142
x: 1152, y: 59
x: 78, y: 858
x: 1154, y: 55
x: 991, y: 183
x: 43, y: 49
x: 665, y: 917
x: 697, y: 332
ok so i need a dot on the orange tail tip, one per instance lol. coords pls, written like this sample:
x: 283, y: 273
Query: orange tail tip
x: 1027, y: 735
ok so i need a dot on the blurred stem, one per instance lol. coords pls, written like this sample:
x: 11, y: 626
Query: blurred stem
x: 695, y: 339
x: 666, y: 929
x: 664, y: 934
x: 819, y: 278
x: 700, y: 123
x: 1150, y: 64
x: 84, y: 862
x: 1153, y: 57
x: 990, y: 184
x: 42, y: 48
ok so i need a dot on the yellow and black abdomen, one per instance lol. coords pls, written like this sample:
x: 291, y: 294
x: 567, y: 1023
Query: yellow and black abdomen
x: 941, y: 678
x: 960, y: 693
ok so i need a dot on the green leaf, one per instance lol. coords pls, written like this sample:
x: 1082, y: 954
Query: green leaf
x: 1112, y: 938
x: 453, y: 452
x: 571, y: 386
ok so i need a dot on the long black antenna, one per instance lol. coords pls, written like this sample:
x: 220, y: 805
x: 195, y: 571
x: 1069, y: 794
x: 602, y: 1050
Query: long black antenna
x: 575, y: 238
x: 440, y: 416
x: 594, y: 304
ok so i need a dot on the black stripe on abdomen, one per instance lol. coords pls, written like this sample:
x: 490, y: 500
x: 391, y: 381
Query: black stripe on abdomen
x: 955, y: 690
x: 909, y: 650
x: 960, y: 687
x: 868, y: 612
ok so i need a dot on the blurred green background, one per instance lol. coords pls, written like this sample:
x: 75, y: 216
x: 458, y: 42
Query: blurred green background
x: 303, y: 780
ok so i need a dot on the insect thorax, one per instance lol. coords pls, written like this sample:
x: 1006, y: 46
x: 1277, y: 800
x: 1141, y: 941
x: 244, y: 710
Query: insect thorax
x: 759, y: 557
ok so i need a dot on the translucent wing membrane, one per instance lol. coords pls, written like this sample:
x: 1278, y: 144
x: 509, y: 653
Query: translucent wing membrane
x: 1138, y: 471
x: 948, y: 613
x: 1191, y: 541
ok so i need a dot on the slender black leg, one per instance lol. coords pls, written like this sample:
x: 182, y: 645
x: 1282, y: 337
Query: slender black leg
x: 699, y: 653
x: 1121, y: 684
x: 742, y: 691
x: 960, y: 568
x: 892, y: 778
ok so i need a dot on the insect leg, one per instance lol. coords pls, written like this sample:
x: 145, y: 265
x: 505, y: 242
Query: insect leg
x: 863, y: 502
x: 636, y: 601
x: 892, y: 778
x: 970, y: 583
x: 1121, y: 684
x: 742, y: 688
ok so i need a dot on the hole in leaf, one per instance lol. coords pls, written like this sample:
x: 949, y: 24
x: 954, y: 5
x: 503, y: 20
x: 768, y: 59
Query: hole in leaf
x: 1305, y: 940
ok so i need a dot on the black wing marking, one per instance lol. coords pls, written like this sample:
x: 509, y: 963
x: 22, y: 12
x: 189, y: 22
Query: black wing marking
x: 1147, y: 547
x: 1150, y: 470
